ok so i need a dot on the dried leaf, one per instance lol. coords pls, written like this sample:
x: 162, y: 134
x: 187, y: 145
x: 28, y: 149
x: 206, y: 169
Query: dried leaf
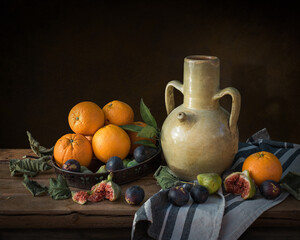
x: 35, y: 188
x: 58, y: 188
x: 165, y: 178
x: 37, y: 148
x: 29, y: 166
x: 291, y: 183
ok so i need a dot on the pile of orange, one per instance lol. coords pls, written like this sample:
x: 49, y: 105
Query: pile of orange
x: 97, y: 132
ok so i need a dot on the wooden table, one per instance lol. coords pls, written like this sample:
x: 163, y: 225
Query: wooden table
x: 24, y: 216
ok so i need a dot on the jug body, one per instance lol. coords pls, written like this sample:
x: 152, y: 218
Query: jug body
x: 200, y: 136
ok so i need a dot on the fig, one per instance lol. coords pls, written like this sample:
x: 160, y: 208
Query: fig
x: 102, y: 169
x: 240, y: 183
x: 106, y: 189
x: 178, y: 196
x: 80, y: 197
x: 96, y: 197
x: 186, y: 185
x: 211, y: 181
x: 71, y: 165
x: 226, y: 173
x: 270, y: 189
x: 134, y: 195
x: 142, y: 153
x: 114, y: 163
x: 199, y: 194
x: 132, y: 163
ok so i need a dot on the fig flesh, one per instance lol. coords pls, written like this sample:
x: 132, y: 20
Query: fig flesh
x: 240, y: 183
x: 106, y: 189
x: 80, y: 197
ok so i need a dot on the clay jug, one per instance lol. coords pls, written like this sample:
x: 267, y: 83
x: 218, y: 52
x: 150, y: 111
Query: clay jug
x: 200, y: 136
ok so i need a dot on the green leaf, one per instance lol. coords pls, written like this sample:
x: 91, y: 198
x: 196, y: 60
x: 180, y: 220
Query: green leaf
x: 34, y: 187
x: 84, y: 169
x: 291, y: 183
x: 147, y: 132
x: 131, y: 127
x: 58, y: 188
x: 29, y: 166
x: 146, y: 143
x: 165, y: 178
x: 37, y: 148
x: 146, y: 115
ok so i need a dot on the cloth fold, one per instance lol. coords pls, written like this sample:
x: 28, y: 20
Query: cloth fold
x: 221, y: 216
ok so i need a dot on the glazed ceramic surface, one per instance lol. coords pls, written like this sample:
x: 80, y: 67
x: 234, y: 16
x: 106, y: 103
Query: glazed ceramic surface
x: 200, y: 136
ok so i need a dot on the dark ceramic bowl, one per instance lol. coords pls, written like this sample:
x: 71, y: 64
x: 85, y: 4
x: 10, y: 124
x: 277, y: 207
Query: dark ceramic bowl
x: 126, y: 175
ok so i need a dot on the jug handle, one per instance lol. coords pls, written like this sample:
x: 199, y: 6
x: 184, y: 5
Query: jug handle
x: 235, y: 107
x: 169, y: 94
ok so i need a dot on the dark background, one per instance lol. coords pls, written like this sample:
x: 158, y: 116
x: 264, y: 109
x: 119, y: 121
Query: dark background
x: 54, y: 54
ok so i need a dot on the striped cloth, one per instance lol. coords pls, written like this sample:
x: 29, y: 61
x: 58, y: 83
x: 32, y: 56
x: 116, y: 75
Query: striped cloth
x: 221, y: 216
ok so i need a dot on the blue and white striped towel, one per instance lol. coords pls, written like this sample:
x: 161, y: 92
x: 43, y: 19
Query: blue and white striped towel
x: 221, y: 217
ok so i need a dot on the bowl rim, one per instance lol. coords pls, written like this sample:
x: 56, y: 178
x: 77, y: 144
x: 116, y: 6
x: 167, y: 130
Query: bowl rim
x: 105, y: 173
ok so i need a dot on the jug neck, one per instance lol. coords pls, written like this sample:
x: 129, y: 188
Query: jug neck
x: 201, y: 81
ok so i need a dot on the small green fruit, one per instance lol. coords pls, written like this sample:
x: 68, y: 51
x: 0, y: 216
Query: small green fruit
x: 211, y: 181
x: 125, y: 162
x: 132, y: 163
x: 102, y: 169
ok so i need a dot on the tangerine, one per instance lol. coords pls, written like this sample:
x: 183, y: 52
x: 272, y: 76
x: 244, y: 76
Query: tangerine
x: 118, y: 113
x: 86, y: 118
x: 110, y: 141
x: 133, y: 137
x: 263, y: 166
x: 73, y: 146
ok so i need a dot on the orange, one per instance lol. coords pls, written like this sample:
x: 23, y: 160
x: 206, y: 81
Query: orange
x: 90, y: 138
x: 86, y: 118
x: 263, y: 166
x: 133, y: 137
x: 118, y: 113
x: 73, y: 146
x: 110, y: 141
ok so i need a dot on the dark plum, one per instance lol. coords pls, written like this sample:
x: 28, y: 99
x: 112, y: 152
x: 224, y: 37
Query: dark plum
x: 142, y: 153
x: 178, y: 196
x: 134, y: 195
x: 114, y: 163
x: 71, y: 165
x: 270, y: 189
x: 199, y: 194
x: 186, y: 185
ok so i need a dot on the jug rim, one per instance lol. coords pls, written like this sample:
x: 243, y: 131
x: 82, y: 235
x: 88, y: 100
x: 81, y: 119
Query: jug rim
x: 200, y: 58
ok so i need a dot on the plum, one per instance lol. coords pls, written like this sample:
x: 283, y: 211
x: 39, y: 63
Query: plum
x: 270, y: 189
x: 71, y: 165
x: 199, y: 194
x: 134, y: 195
x: 114, y: 163
x: 178, y: 196
x: 142, y: 153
